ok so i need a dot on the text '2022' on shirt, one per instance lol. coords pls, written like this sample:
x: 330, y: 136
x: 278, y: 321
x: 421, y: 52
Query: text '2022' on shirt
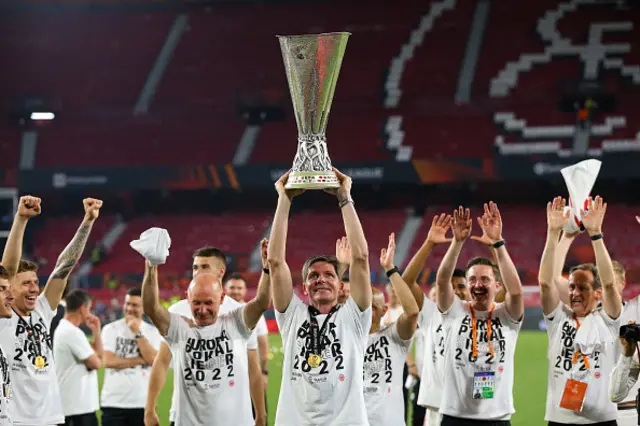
x: 467, y: 377
x: 561, y: 330
x: 213, y: 382
x: 330, y: 394
x: 36, y: 394
x: 384, y: 360
x: 126, y: 387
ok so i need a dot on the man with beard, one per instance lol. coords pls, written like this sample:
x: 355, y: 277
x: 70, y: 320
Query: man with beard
x: 77, y: 361
x: 36, y: 395
x: 205, y: 260
x: 429, y: 339
x: 480, y: 335
x: 211, y: 370
x: 130, y: 346
x: 582, y: 336
x: 387, y: 348
x: 324, y: 343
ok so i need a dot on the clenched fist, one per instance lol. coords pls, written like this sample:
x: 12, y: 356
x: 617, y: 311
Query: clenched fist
x: 28, y: 206
x: 91, y: 208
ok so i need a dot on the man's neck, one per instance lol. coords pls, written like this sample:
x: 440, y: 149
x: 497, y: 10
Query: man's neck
x: 325, y: 308
x: 22, y: 313
x: 74, y: 318
x: 481, y: 306
x: 375, y: 326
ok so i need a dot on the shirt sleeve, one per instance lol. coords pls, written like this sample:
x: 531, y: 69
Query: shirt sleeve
x: 426, y: 313
x: 109, y: 338
x: 361, y: 319
x: 178, y: 329
x: 624, y: 376
x: 395, y: 337
x: 153, y: 336
x: 456, y: 310
x: 79, y: 345
x: 44, y: 309
x: 554, y: 318
x: 262, y: 328
x: 236, y: 318
x: 285, y: 319
x: 252, y: 343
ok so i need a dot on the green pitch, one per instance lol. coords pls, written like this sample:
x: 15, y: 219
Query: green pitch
x: 530, y: 381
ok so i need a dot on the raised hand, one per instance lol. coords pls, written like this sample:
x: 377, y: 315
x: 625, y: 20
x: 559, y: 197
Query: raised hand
x: 439, y: 228
x: 91, y: 208
x: 29, y: 206
x: 133, y: 323
x: 484, y: 238
x: 264, y: 245
x: 93, y: 322
x: 343, y: 251
x: 492, y: 222
x: 557, y: 215
x: 283, y: 191
x: 462, y: 224
x: 386, y: 255
x: 592, y: 218
x: 344, y: 191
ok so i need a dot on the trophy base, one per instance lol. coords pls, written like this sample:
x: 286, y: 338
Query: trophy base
x: 312, y: 180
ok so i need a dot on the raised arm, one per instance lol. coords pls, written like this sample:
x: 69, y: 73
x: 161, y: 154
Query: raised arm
x: 611, y: 292
x: 561, y: 283
x: 359, y: 273
x: 278, y: 269
x: 437, y: 235
x: 254, y: 310
x: 556, y: 219
x: 158, y: 314
x: 484, y: 239
x: 492, y: 223
x: 461, y: 227
x: 408, y: 320
x: 343, y: 254
x: 70, y: 256
x: 28, y: 207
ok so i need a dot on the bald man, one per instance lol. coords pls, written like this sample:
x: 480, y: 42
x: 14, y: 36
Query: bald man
x: 210, y: 370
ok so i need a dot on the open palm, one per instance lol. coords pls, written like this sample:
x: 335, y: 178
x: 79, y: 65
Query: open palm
x: 462, y: 223
x: 593, y: 218
x: 439, y: 228
x: 386, y: 255
x: 557, y: 217
x: 492, y: 222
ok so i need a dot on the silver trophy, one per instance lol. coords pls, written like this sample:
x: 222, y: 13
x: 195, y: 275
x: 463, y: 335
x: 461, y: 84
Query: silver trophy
x: 312, y: 63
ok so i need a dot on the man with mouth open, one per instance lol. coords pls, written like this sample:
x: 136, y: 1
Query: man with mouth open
x: 324, y: 344
x: 582, y: 335
x: 480, y: 335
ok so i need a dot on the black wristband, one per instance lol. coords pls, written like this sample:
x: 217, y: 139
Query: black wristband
x: 498, y: 244
x: 265, y: 372
x: 597, y: 237
x: 265, y: 270
x: 392, y: 271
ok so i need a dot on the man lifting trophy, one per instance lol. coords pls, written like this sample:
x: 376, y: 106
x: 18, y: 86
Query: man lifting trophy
x: 312, y: 63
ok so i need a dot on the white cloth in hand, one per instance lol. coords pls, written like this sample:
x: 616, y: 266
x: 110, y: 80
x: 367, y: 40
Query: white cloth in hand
x: 579, y: 179
x: 153, y: 245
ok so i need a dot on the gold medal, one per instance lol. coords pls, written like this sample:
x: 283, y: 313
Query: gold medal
x: 314, y: 360
x: 39, y: 362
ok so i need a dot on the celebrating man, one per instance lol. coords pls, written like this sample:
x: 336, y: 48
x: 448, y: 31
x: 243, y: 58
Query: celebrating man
x: 387, y: 348
x: 480, y: 335
x: 36, y: 395
x: 211, y: 369
x: 324, y: 344
x: 582, y: 336
x: 130, y: 346
x: 205, y: 260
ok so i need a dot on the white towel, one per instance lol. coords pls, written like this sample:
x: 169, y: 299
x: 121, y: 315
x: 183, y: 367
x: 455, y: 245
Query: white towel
x: 579, y: 179
x: 593, y: 334
x: 153, y: 245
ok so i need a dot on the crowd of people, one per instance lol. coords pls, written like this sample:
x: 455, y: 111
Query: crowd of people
x: 346, y: 352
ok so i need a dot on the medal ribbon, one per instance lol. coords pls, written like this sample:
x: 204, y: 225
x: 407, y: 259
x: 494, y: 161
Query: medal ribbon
x: 317, y: 333
x: 31, y: 334
x: 474, y: 330
x: 577, y: 352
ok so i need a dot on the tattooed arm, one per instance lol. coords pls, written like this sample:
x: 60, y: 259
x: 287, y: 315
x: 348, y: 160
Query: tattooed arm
x: 70, y: 256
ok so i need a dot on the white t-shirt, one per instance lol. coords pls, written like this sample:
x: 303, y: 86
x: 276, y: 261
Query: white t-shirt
x: 391, y: 316
x: 460, y: 368
x: 127, y: 387
x: 6, y: 391
x: 261, y: 327
x: 182, y: 308
x: 80, y: 386
x: 211, y: 374
x: 630, y: 312
x: 561, y: 330
x: 36, y: 394
x: 431, y: 373
x: 331, y: 394
x: 383, y: 364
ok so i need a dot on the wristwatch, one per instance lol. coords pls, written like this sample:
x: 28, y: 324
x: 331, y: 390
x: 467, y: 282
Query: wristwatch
x: 138, y: 335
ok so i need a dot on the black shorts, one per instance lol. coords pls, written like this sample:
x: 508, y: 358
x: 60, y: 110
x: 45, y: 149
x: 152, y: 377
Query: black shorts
x: 122, y: 416
x: 457, y: 421
x: 88, y: 419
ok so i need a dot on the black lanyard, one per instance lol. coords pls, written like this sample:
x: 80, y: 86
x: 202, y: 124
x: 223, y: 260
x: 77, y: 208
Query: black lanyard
x: 31, y: 333
x: 317, y: 333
